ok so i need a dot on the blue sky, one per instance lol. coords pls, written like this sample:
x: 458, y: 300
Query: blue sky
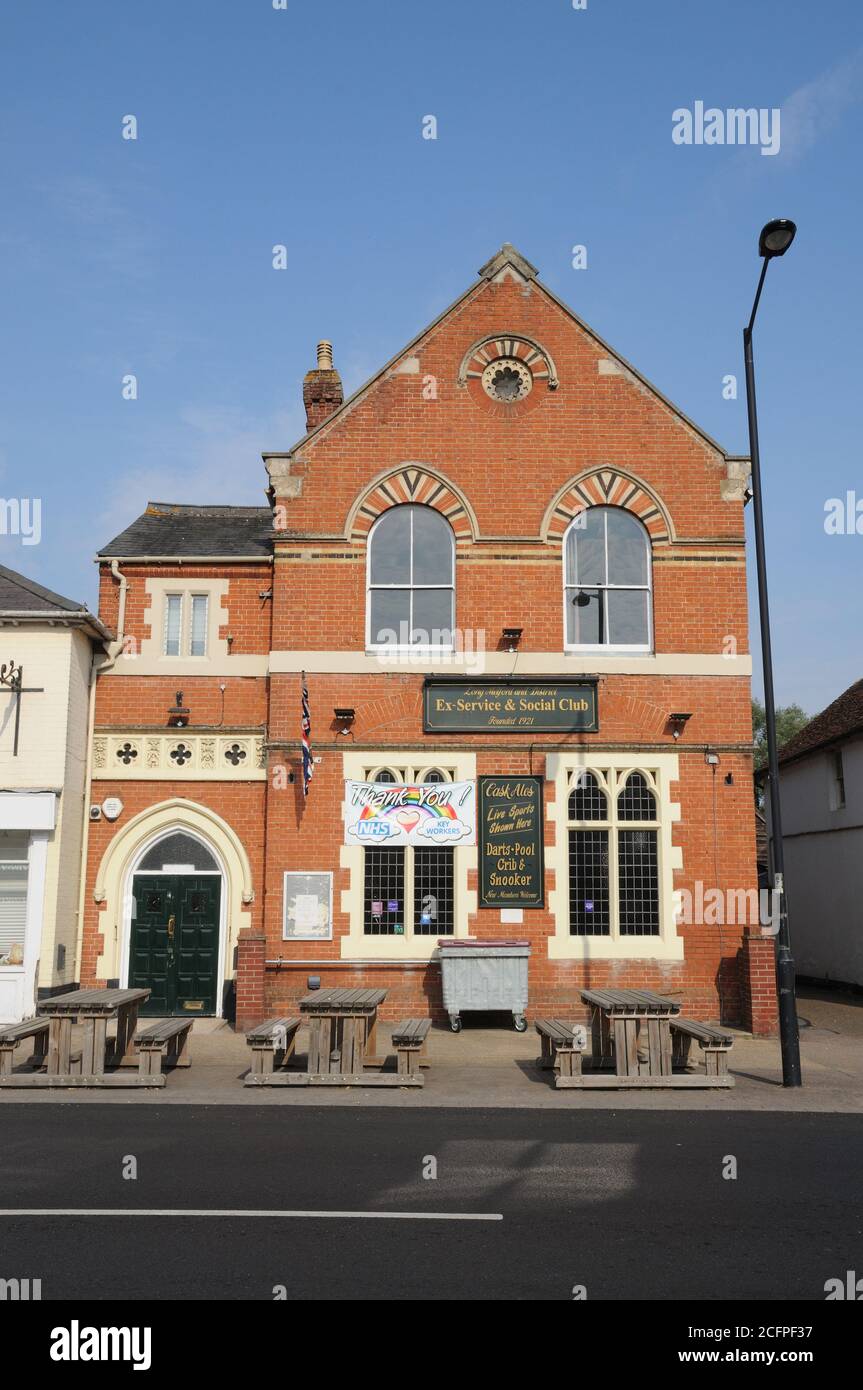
x: 303, y: 126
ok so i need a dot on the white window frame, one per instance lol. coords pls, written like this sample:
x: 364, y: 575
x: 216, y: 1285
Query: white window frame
x: 611, y: 782
x: 176, y: 594
x: 662, y: 771
x: 186, y: 597
x: 24, y: 861
x: 192, y: 596
x: 608, y: 648
x: 409, y: 775
x: 411, y: 586
x: 458, y: 766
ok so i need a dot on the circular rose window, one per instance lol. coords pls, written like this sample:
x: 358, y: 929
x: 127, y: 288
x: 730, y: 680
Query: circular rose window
x: 507, y: 379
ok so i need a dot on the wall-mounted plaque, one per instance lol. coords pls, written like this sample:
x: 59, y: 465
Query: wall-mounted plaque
x: 513, y: 707
x: 511, y: 869
x: 308, y: 907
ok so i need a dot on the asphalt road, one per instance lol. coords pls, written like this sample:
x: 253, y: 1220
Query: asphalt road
x: 627, y: 1204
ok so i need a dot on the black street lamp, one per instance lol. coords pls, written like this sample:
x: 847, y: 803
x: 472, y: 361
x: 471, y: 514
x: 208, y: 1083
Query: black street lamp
x: 775, y: 239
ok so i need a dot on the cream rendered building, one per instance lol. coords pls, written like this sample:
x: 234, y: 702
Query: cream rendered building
x: 49, y: 649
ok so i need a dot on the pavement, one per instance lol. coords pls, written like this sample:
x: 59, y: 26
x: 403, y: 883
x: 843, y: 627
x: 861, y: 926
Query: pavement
x: 495, y: 1067
x: 191, y: 1202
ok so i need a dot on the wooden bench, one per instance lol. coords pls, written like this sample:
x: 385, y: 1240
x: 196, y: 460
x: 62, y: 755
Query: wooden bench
x: 168, y: 1040
x: 10, y: 1037
x: 715, y: 1044
x: 272, y: 1045
x: 409, y: 1041
x: 562, y: 1045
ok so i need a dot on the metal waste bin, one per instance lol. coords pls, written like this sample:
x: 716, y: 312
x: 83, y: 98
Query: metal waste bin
x: 484, y: 975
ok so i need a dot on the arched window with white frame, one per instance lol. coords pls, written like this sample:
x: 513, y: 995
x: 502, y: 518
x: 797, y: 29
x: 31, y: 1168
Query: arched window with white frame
x: 411, y: 579
x: 613, y: 823
x: 608, y: 602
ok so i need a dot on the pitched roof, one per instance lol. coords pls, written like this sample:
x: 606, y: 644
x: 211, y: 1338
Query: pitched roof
x: 507, y: 260
x: 18, y: 594
x: 22, y: 599
x: 843, y: 719
x: 168, y: 529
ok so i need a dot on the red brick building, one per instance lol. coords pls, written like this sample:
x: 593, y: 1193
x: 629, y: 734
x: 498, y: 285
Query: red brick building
x: 506, y: 556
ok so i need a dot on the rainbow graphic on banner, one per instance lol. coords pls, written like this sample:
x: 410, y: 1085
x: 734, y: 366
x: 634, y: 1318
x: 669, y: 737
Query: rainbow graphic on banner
x: 410, y: 813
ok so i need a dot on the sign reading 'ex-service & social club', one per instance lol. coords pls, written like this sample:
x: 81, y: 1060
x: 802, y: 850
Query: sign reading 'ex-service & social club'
x: 515, y: 707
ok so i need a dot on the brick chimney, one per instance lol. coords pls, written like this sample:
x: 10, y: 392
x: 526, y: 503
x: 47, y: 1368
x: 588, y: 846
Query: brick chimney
x: 322, y: 388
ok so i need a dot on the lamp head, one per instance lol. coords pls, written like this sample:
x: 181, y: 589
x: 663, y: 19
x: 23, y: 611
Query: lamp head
x: 776, y: 237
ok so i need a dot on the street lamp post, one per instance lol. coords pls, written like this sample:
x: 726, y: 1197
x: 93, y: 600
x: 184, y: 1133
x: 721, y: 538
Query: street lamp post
x: 775, y: 239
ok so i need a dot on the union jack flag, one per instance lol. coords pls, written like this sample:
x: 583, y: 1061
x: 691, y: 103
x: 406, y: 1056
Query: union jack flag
x: 308, y: 764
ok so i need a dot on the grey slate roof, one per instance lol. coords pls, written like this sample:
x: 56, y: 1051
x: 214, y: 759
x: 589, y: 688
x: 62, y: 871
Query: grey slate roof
x: 18, y: 594
x: 22, y: 600
x: 170, y: 528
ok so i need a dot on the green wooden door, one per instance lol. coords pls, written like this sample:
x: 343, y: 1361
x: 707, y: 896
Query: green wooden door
x: 174, y: 946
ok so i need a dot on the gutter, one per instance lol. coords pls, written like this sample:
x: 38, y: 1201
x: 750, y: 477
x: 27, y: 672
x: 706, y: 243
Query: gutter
x: 265, y: 558
x: 82, y: 618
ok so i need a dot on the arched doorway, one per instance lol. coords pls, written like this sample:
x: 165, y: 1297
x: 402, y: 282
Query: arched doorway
x: 176, y: 925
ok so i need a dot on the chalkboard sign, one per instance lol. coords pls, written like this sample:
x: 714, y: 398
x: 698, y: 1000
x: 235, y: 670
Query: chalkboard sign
x: 509, y: 833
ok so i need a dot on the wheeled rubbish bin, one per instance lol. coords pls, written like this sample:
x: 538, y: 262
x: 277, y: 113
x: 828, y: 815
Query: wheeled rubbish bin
x: 484, y: 975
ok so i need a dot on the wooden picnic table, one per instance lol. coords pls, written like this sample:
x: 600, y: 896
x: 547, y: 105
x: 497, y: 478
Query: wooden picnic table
x: 342, y: 1030
x: 343, y: 1039
x: 622, y: 1022
x: 94, y: 1007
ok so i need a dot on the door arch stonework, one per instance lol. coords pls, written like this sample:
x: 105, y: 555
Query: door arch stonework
x: 113, y: 877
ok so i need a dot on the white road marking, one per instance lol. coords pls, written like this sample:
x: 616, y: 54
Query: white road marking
x: 241, y: 1211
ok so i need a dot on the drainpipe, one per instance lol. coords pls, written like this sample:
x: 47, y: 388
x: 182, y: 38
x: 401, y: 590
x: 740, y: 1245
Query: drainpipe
x: 97, y: 667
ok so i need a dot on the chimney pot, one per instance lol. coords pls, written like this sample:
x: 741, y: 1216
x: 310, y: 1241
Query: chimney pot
x: 322, y: 388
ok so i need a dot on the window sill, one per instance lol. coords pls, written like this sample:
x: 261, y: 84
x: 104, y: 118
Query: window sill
x: 384, y: 948
x: 577, y: 948
x: 411, y: 651
x: 608, y: 650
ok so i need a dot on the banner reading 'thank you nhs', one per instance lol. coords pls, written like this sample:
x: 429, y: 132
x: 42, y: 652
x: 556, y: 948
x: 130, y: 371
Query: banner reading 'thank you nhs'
x: 404, y: 813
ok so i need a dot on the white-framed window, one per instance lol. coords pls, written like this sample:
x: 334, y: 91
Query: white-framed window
x: 613, y: 825
x: 607, y: 582
x: 14, y: 870
x: 198, y: 619
x: 408, y: 890
x: 173, y: 624
x: 186, y: 623
x: 410, y: 580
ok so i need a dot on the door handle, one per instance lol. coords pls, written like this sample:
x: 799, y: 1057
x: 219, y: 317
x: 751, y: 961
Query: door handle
x: 171, y: 923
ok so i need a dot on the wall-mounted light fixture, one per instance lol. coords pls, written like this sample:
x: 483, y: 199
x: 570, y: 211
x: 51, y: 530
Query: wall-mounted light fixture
x: 678, y: 723
x: 512, y: 636
x: 345, y: 719
x: 179, y: 714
